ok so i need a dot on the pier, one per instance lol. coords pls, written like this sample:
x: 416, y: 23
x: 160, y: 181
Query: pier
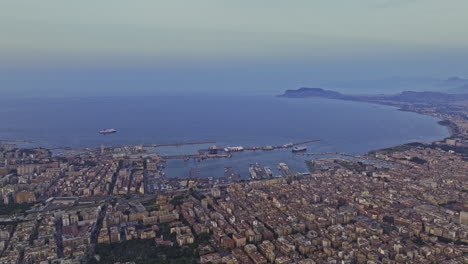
x: 330, y: 153
x: 288, y: 145
x: 178, y: 144
x: 201, y: 157
x: 305, y: 142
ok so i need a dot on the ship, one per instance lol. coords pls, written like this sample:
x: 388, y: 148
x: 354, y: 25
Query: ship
x: 233, y: 149
x: 108, y: 131
x: 299, y: 149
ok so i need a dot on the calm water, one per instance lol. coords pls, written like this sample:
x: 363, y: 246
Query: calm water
x: 230, y: 121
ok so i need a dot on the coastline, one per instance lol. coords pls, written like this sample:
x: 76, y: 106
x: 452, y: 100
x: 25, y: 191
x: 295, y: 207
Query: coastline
x: 457, y: 136
x: 451, y: 128
x: 318, y: 120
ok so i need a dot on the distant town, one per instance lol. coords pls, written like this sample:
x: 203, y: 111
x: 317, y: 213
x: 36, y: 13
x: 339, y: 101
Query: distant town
x: 114, y: 204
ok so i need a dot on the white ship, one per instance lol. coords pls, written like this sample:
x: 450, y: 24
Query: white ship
x: 233, y: 149
x: 299, y: 149
x: 108, y: 131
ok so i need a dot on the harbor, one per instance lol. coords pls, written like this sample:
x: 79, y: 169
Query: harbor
x: 216, y: 149
x: 234, y: 162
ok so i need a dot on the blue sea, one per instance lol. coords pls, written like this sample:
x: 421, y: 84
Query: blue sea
x: 341, y: 126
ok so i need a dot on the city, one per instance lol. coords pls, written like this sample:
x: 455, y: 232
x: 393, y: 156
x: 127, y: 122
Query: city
x: 398, y: 205
x: 234, y: 132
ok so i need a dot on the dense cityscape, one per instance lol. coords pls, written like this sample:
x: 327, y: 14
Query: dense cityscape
x: 405, y: 204
x: 234, y: 132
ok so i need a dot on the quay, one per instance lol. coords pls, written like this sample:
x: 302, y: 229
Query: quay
x: 216, y: 149
x: 330, y: 153
x: 289, y: 145
x: 138, y: 146
x: 305, y: 142
x: 211, y: 152
x: 178, y: 144
x: 201, y: 157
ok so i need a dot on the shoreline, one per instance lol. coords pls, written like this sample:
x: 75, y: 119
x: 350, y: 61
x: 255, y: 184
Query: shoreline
x: 452, y: 129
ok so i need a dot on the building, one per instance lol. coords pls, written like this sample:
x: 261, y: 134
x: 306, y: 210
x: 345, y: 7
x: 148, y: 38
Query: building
x: 214, y: 258
x: 464, y: 218
x: 228, y: 243
x: 25, y: 197
x: 215, y: 192
x: 240, y: 240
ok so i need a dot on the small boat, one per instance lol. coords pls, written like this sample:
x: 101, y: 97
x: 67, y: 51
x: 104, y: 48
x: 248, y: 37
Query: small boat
x: 299, y: 149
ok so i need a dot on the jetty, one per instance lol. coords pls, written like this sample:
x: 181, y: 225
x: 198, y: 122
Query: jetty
x: 216, y: 149
x: 200, y: 157
x: 330, y: 153
x: 178, y: 144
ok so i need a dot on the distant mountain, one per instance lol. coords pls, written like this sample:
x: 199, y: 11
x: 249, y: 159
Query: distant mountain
x: 312, y: 92
x: 433, y: 97
x: 406, y: 96
x: 456, y: 79
x: 394, y: 85
x: 454, y: 82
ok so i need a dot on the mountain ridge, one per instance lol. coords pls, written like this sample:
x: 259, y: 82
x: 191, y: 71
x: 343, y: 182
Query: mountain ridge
x: 405, y: 96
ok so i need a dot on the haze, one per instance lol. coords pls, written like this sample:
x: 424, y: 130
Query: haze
x: 118, y: 47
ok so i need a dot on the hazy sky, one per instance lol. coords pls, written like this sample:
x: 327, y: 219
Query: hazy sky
x: 346, y: 38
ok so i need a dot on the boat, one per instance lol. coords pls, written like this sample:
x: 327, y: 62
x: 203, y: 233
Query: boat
x: 108, y: 131
x: 299, y: 149
x: 252, y: 172
x: 233, y: 149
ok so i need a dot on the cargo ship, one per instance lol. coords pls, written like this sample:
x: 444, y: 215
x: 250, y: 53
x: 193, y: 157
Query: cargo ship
x: 107, y: 131
x: 299, y: 149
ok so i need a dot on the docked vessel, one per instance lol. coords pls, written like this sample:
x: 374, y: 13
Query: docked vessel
x: 108, y: 131
x: 257, y: 171
x: 233, y: 149
x: 299, y: 149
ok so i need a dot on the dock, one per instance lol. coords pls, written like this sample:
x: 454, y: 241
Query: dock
x: 284, y: 169
x: 231, y: 174
x: 330, y: 153
x: 178, y: 144
x: 305, y: 142
x: 289, y: 145
x: 270, y: 147
x: 200, y: 157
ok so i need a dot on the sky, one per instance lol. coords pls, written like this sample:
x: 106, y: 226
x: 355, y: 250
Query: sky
x: 243, y: 44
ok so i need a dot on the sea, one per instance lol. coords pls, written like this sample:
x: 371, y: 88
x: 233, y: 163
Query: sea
x: 341, y: 126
